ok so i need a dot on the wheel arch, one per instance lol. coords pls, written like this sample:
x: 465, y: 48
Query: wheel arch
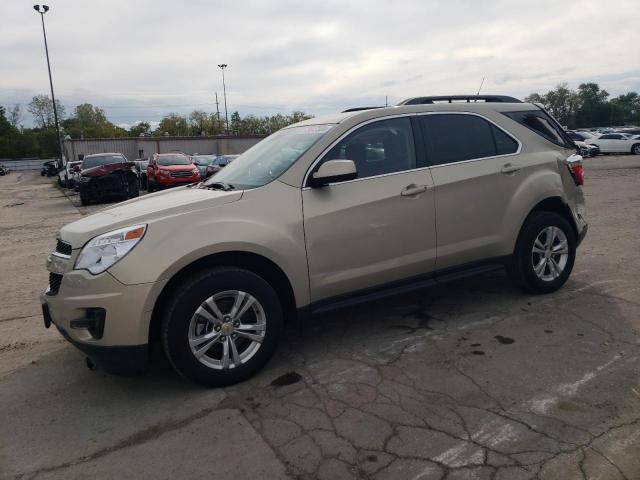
x: 258, y: 264
x: 553, y: 204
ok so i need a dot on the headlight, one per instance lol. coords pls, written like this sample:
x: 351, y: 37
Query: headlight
x: 165, y: 172
x: 85, y: 179
x: 104, y: 250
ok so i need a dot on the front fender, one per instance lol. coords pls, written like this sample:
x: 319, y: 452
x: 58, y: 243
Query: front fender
x: 265, y: 222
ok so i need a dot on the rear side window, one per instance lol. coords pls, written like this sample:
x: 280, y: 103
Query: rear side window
x: 539, y: 122
x: 457, y: 137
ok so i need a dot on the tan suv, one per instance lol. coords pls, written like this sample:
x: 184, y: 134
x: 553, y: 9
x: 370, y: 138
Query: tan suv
x: 322, y: 214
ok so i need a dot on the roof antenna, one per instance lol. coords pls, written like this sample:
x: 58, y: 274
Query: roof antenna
x: 481, y: 84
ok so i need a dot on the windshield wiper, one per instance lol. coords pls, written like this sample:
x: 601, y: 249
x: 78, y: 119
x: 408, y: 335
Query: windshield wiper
x: 218, y: 186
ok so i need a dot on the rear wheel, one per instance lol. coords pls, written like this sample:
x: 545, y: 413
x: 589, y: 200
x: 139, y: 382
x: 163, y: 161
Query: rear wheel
x: 221, y: 326
x: 636, y: 149
x: 544, y: 254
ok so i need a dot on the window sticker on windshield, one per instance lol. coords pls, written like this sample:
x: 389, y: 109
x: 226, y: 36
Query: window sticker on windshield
x: 310, y: 129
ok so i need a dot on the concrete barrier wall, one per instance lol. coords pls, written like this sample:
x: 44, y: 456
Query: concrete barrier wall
x: 144, y: 147
x: 27, y: 164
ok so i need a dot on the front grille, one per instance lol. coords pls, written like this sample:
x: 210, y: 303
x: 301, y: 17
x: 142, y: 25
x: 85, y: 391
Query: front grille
x: 55, y: 279
x: 63, y: 247
x: 181, y: 174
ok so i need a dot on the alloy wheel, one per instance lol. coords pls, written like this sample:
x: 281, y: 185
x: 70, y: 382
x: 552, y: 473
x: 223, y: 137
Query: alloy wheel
x: 227, y: 329
x: 550, y: 253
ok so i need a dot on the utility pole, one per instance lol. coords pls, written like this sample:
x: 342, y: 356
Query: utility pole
x: 386, y: 102
x: 224, y: 90
x: 45, y: 9
x: 217, y: 109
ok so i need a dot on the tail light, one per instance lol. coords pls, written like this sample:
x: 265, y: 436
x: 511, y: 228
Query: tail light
x: 574, y: 163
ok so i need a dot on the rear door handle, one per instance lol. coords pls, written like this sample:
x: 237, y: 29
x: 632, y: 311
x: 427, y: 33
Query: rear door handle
x: 413, y: 189
x: 510, y: 168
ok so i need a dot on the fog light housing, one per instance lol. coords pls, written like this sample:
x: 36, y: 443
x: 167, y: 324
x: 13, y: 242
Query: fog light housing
x: 93, y: 322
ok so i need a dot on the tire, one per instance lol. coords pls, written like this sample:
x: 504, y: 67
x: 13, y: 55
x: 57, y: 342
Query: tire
x: 84, y: 201
x: 180, y: 322
x: 150, y: 186
x: 521, y: 268
x: 635, y: 149
x: 133, y: 190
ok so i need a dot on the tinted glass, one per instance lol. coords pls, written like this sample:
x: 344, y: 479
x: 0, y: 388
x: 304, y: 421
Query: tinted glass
x: 173, y: 160
x: 378, y: 148
x: 90, y: 162
x: 455, y: 138
x: 540, y: 123
x: 504, y: 143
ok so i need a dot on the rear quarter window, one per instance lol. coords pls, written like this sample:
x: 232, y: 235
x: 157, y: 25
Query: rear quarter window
x: 539, y: 122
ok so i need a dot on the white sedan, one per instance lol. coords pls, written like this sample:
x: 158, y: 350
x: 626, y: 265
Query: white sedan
x: 617, y: 143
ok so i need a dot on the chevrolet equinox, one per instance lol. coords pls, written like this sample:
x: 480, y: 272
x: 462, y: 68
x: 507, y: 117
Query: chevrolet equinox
x: 321, y: 214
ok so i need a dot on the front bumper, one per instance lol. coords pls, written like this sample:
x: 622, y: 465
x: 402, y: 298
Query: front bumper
x: 117, y: 360
x: 164, y: 181
x: 124, y: 312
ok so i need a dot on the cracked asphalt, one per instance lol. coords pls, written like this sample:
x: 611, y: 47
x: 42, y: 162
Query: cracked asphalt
x: 470, y: 380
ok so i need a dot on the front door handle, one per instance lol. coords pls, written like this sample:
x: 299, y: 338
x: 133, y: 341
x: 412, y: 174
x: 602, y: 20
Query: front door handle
x: 413, y: 189
x: 510, y: 168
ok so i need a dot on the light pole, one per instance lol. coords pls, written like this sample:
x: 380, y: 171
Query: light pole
x: 42, y: 11
x: 224, y: 90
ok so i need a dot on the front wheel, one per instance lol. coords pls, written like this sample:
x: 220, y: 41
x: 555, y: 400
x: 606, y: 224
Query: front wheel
x: 133, y: 190
x: 222, y: 326
x: 636, y: 149
x: 544, y: 254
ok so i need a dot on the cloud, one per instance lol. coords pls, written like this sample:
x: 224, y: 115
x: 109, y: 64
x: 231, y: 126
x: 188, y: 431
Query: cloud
x: 140, y: 60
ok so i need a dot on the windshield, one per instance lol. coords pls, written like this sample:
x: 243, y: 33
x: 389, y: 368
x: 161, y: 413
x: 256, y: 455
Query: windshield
x: 90, y: 162
x: 270, y: 158
x: 173, y: 160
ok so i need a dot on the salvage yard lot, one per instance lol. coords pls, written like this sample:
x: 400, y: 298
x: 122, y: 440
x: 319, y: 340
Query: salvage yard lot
x: 473, y: 379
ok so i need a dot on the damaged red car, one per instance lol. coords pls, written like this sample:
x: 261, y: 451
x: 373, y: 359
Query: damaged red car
x: 169, y: 170
x: 104, y: 176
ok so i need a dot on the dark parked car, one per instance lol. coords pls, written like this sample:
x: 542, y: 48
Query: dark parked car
x: 219, y: 163
x: 202, y: 161
x: 49, y: 169
x: 141, y: 168
x: 106, y: 175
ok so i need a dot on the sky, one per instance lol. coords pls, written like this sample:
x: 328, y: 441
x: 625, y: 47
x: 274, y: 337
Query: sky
x: 139, y: 59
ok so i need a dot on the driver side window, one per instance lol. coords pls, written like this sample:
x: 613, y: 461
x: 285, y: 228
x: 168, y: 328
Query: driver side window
x: 378, y: 148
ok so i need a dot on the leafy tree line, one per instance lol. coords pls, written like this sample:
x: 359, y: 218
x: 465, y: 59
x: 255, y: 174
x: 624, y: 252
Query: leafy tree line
x: 88, y: 121
x: 589, y: 106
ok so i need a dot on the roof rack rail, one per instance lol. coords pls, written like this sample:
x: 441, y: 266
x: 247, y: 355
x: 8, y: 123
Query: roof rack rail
x: 460, y: 98
x: 358, y: 109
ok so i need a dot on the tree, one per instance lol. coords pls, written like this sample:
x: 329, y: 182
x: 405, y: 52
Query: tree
x: 41, y: 107
x: 626, y: 109
x: 592, y: 106
x: 140, y: 128
x: 15, y: 115
x: 91, y: 122
x: 173, y: 124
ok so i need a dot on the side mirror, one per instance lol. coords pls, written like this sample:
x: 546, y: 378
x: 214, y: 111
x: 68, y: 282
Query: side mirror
x: 76, y: 168
x: 333, y: 171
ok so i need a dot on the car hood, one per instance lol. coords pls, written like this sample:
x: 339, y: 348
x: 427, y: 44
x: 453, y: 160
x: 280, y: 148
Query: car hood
x: 157, y: 207
x: 102, y: 170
